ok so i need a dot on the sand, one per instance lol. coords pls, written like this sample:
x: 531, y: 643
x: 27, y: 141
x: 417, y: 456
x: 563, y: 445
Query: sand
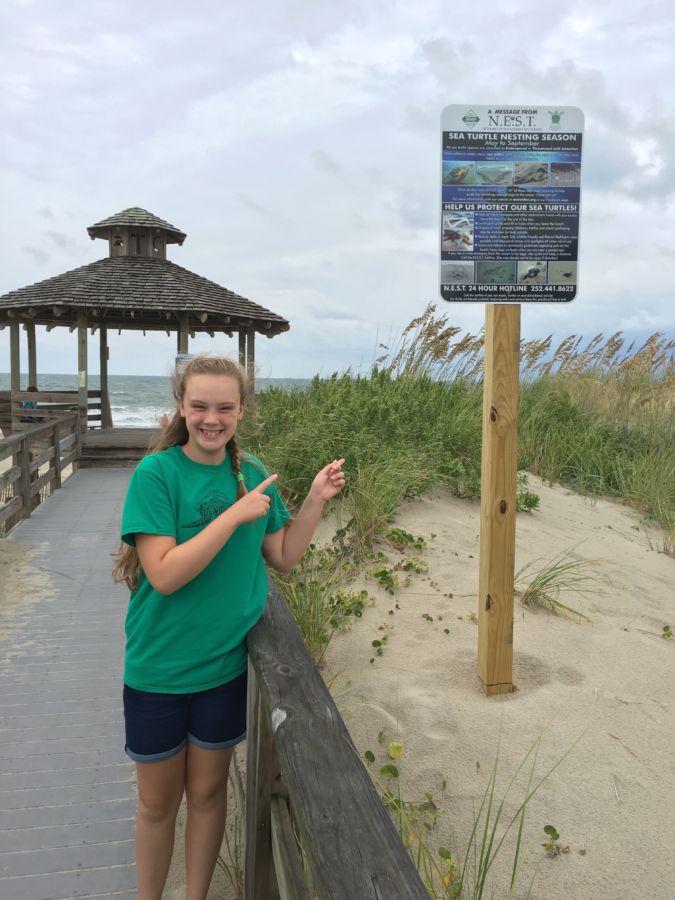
x: 606, y: 686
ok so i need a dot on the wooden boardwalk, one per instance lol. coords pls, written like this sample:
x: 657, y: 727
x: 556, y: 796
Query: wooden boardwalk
x: 66, y: 787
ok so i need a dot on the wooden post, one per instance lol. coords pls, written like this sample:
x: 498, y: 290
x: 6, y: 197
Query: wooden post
x: 106, y: 416
x: 82, y: 374
x: 242, y: 347
x: 250, y: 360
x: 262, y: 770
x: 182, y: 342
x: 56, y: 436
x: 15, y: 356
x: 498, y: 497
x: 32, y: 355
x: 25, y: 479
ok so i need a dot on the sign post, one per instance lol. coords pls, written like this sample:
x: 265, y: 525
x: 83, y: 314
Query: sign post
x: 499, y: 460
x: 509, y: 234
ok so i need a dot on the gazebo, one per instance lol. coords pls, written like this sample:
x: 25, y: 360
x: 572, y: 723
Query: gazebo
x: 134, y: 288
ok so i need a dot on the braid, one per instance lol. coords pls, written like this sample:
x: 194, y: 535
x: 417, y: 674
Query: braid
x: 235, y: 459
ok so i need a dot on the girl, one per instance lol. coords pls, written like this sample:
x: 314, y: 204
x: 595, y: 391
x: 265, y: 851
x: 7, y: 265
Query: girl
x: 197, y: 515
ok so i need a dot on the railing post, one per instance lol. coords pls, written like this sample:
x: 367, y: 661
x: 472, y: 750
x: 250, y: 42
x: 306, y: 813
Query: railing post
x: 262, y: 770
x: 78, y: 444
x: 25, y: 478
x: 57, y: 455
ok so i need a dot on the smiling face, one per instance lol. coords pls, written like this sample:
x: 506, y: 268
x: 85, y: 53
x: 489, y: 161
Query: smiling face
x: 212, y: 408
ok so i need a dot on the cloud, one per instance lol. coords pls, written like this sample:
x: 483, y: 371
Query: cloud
x: 325, y: 162
x: 38, y: 255
x: 62, y: 241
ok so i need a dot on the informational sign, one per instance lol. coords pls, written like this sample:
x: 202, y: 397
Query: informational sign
x: 181, y: 359
x: 510, y: 199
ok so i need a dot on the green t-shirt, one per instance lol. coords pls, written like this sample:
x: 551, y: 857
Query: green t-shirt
x: 193, y: 639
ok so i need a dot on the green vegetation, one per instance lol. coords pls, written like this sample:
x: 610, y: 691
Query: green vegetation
x: 541, y: 583
x: 551, y: 846
x: 318, y: 599
x: 598, y: 417
x: 444, y: 875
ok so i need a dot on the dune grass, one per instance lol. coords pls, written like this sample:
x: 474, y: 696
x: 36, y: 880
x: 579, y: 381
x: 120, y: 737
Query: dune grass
x: 596, y: 416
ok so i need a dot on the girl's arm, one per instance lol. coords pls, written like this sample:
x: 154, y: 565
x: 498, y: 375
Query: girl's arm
x: 283, y: 549
x: 169, y: 566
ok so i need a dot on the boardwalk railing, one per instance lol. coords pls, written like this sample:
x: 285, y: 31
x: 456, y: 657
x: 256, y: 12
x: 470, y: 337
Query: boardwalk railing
x: 31, y: 463
x: 48, y: 405
x: 305, y: 778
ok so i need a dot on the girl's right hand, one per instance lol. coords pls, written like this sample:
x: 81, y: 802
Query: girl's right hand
x: 255, y: 504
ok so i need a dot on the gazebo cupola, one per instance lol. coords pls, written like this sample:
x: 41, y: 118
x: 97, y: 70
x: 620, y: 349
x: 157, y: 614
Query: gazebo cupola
x: 136, y: 232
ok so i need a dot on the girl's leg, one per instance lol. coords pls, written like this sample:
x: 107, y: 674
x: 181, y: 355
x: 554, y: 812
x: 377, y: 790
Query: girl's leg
x: 160, y: 791
x: 206, y: 795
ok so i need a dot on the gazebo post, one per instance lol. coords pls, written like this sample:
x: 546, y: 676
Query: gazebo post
x: 14, y: 356
x: 106, y: 417
x: 250, y: 357
x: 32, y: 354
x: 242, y: 347
x: 82, y: 375
x: 183, y: 333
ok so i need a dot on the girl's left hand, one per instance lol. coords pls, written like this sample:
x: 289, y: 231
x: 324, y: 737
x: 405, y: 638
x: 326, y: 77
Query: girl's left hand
x: 329, y: 481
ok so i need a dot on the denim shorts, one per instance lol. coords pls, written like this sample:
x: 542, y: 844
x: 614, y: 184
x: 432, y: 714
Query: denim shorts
x: 160, y: 725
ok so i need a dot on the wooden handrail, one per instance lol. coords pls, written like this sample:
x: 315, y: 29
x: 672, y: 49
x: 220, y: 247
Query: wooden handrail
x: 52, y: 446
x: 299, y: 752
x: 45, y: 405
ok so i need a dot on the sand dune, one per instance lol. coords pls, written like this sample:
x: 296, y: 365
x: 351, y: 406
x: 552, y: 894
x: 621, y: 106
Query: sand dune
x: 607, y: 684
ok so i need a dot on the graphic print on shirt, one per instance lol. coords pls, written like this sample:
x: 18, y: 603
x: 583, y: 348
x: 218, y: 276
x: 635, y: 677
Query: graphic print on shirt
x: 209, y: 508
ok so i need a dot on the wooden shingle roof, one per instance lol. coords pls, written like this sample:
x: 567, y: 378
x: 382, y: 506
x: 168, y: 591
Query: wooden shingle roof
x: 135, y: 216
x: 137, y: 292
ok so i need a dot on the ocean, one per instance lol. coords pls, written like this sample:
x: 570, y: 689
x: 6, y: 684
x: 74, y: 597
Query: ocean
x: 138, y: 399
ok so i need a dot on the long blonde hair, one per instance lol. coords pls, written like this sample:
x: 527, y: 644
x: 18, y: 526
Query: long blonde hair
x: 127, y: 567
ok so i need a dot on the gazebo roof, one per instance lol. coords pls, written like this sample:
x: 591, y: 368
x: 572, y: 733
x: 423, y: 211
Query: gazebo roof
x: 137, y: 293
x: 135, y: 216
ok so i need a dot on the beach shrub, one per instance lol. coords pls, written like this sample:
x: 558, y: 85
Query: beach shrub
x: 318, y: 599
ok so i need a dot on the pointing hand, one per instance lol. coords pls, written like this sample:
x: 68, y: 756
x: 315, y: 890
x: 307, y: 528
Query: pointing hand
x: 329, y: 481
x: 256, y: 503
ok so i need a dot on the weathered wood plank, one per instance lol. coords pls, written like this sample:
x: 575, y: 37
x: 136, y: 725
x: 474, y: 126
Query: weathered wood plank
x: 290, y: 877
x: 15, y: 505
x: 13, y: 440
x: 66, y: 815
x: 9, y: 477
x: 262, y: 770
x: 69, y: 458
x: 352, y: 846
x: 57, y: 455
x: 66, y: 442
x: 41, y: 459
x: 24, y: 482
x: 53, y: 396
x: 37, y: 485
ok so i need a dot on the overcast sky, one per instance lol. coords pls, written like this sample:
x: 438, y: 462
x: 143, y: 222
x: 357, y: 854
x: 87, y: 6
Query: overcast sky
x: 297, y: 145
